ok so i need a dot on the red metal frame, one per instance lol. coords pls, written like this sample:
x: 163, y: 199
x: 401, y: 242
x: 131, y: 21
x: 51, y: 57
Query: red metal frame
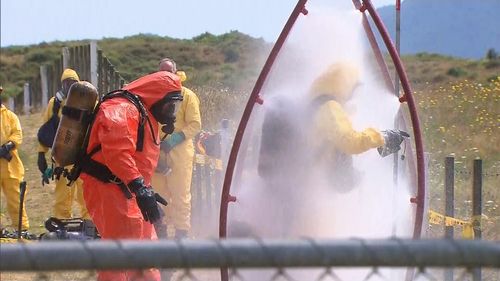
x: 407, y: 97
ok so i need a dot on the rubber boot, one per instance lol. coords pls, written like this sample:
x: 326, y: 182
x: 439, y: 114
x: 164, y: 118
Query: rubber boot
x: 181, y: 234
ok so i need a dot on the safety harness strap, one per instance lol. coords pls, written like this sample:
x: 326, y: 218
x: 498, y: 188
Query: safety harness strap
x: 101, y: 172
x: 76, y: 113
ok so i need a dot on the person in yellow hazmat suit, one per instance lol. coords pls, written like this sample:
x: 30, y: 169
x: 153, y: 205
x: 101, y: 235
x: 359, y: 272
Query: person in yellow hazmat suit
x: 338, y: 140
x: 172, y: 178
x: 64, y: 195
x: 11, y: 167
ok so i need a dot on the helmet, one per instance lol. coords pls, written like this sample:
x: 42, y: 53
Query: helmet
x: 339, y: 81
x: 69, y: 73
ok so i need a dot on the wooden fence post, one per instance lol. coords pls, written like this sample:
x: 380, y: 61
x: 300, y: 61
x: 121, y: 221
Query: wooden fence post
x: 117, y: 80
x: 93, y: 64
x: 57, y: 76
x: 66, y: 57
x: 74, y: 59
x: 26, y: 98
x: 44, y: 84
x: 10, y: 104
x: 105, y: 71
x: 449, y: 183
x: 477, y: 202
x: 100, y: 73
x: 86, y: 61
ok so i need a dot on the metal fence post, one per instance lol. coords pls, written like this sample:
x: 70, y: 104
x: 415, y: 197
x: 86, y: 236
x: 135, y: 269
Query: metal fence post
x: 477, y: 201
x: 449, y: 183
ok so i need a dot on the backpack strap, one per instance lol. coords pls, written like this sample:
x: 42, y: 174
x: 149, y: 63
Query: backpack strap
x: 56, y: 106
x: 102, y: 172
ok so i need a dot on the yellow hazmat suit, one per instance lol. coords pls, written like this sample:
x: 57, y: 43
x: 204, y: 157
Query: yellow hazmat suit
x: 12, y: 172
x: 64, y: 195
x: 176, y: 185
x: 337, y: 138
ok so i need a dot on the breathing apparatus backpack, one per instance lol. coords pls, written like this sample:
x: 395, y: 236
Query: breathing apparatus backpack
x: 284, y: 139
x: 81, y: 112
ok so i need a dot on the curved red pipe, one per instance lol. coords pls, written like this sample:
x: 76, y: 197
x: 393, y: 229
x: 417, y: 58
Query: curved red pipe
x: 390, y: 86
x: 407, y: 97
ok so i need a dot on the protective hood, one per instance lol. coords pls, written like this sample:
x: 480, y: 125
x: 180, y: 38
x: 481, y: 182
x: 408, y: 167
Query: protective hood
x: 153, y: 87
x: 338, y: 81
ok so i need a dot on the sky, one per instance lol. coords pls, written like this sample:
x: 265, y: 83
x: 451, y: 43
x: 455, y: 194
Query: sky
x: 25, y: 22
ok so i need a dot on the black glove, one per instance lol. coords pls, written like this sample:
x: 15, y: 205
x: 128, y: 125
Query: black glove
x: 58, y: 172
x: 5, y: 150
x: 146, y: 200
x: 42, y: 162
x: 393, y: 140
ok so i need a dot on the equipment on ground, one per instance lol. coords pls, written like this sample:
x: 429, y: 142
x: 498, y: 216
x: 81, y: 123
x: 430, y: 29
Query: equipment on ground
x: 22, y: 192
x: 69, y: 229
x: 75, y: 120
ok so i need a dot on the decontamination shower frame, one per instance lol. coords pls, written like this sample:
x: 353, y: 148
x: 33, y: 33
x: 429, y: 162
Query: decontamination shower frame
x: 417, y: 179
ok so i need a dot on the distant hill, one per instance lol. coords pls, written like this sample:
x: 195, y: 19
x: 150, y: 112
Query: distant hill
x: 459, y: 28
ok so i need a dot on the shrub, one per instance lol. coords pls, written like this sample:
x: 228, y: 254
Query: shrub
x: 456, y: 72
x: 491, y: 54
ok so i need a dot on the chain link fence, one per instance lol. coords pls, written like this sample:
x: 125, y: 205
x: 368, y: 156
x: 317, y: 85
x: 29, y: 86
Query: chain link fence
x: 256, y: 259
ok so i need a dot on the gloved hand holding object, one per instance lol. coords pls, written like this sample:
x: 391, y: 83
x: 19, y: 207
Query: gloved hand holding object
x: 42, y: 162
x: 173, y: 140
x: 5, y: 150
x: 393, y: 140
x: 146, y: 200
x: 59, y: 171
x: 47, y: 175
x: 44, y: 169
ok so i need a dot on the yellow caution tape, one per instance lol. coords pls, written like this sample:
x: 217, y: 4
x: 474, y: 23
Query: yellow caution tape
x: 467, y: 226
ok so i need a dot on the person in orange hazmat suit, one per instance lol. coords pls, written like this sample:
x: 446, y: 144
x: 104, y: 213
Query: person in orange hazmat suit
x: 124, y: 146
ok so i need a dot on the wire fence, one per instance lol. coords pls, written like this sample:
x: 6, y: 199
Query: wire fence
x: 258, y: 259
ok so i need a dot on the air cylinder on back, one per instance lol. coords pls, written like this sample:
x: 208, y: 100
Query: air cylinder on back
x: 75, y: 120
